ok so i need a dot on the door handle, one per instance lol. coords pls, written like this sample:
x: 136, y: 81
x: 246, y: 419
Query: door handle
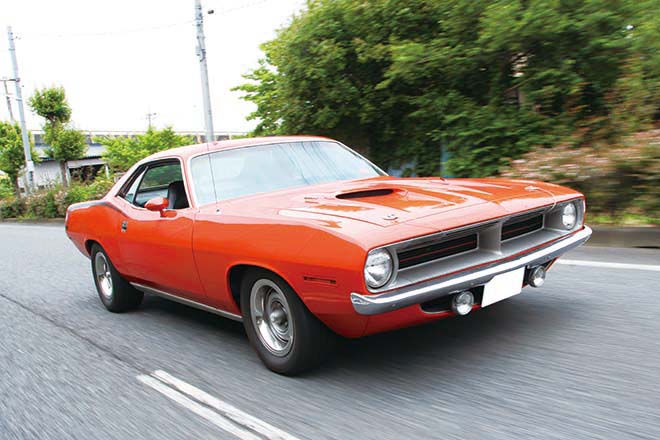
x: 124, y: 226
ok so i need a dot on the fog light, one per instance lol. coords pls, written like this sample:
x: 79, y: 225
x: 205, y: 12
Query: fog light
x: 462, y: 303
x: 536, y: 276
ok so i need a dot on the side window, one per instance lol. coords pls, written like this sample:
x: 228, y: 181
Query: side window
x: 129, y: 193
x: 160, y: 176
x: 160, y: 180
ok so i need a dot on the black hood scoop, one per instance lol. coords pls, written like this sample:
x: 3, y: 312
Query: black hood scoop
x: 361, y: 194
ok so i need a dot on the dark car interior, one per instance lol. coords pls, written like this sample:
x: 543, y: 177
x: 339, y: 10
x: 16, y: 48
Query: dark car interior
x: 160, y: 180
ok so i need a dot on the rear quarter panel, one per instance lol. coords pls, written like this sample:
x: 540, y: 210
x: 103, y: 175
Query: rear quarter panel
x: 95, y: 221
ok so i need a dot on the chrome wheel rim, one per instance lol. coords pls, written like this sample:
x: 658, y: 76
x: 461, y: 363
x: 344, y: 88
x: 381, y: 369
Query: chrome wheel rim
x: 103, y: 275
x: 270, y: 313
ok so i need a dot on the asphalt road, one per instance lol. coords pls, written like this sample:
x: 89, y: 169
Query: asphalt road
x: 577, y: 359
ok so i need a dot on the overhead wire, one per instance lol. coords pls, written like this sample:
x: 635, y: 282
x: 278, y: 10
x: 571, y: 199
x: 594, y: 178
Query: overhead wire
x: 133, y: 30
x: 105, y: 33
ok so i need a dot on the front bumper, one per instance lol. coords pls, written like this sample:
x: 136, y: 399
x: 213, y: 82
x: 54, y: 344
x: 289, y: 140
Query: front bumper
x: 466, y: 279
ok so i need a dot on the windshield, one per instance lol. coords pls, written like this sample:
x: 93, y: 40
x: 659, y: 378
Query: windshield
x: 251, y: 170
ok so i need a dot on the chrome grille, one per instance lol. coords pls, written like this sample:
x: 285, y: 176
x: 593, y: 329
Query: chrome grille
x: 451, y: 251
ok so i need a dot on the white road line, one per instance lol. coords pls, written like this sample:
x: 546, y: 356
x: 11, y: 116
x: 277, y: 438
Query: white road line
x: 236, y: 415
x: 200, y: 410
x: 227, y: 417
x: 648, y: 267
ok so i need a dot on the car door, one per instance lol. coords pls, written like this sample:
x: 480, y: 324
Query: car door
x: 157, y: 246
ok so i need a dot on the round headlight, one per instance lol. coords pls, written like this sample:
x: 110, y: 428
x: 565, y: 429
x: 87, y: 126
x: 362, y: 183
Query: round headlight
x: 378, y: 268
x: 569, y: 216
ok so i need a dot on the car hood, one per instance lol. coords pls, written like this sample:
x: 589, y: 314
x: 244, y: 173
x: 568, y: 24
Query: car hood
x: 382, y: 210
x: 389, y: 201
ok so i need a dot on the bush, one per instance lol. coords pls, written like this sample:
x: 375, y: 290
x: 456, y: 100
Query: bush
x: 42, y: 205
x: 53, y: 202
x: 6, y: 189
x: 12, y: 208
x: 619, y: 181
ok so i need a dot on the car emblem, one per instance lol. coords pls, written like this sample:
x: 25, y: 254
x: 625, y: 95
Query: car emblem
x: 390, y: 217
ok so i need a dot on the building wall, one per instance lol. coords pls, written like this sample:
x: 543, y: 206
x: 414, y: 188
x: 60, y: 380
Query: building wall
x: 46, y: 173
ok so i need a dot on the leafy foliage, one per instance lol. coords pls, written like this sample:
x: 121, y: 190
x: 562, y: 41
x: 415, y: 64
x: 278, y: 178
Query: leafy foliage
x: 617, y: 181
x: 122, y: 152
x: 12, y: 207
x: 53, y: 202
x: 7, y: 189
x: 12, y: 156
x: 51, y: 104
x: 65, y: 143
x: 483, y: 81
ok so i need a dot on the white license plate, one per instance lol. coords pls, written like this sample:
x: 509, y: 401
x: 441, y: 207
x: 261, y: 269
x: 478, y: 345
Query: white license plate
x: 503, y: 286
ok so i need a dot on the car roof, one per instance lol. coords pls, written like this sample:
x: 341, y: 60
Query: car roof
x: 192, y: 150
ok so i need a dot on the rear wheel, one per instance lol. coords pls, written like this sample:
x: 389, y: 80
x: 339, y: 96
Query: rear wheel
x: 116, y: 294
x: 285, y: 335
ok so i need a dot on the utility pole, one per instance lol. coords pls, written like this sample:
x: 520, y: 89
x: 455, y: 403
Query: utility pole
x: 29, y: 165
x: 201, y: 53
x: 150, y: 117
x: 9, y: 109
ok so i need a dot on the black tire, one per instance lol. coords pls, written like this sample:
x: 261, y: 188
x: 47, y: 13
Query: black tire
x: 312, y: 340
x: 118, y: 295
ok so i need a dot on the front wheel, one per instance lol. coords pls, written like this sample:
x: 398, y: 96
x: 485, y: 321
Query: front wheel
x: 116, y: 294
x: 285, y: 335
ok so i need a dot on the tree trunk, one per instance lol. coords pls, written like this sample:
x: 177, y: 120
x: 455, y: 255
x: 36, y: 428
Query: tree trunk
x: 17, y: 189
x: 65, y: 181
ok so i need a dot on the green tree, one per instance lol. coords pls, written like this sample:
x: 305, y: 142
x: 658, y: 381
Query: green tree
x: 12, y: 156
x: 7, y: 189
x: 122, y: 152
x: 484, y: 81
x: 65, y: 143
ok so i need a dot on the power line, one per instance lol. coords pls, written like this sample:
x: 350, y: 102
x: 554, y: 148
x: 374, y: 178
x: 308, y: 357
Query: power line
x: 246, y: 6
x: 133, y: 30
x: 221, y: 13
x: 106, y: 33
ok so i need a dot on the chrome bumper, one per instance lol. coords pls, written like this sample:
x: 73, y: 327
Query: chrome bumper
x: 433, y: 289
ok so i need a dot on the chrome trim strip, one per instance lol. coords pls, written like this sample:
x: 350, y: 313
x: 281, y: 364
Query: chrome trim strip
x: 489, y: 245
x: 427, y: 291
x: 187, y: 302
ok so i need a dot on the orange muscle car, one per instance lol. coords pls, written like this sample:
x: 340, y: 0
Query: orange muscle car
x: 301, y: 238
